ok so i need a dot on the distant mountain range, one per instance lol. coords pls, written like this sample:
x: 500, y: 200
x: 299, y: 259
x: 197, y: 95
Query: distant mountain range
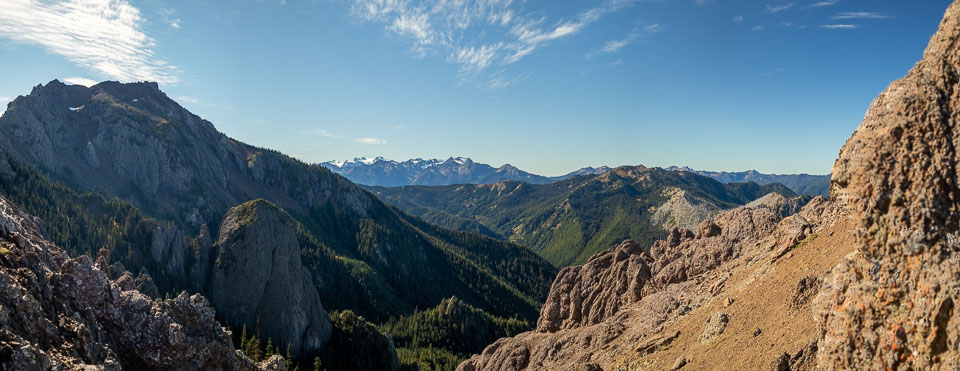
x: 805, y: 184
x: 454, y: 170
x: 462, y: 170
x: 569, y: 220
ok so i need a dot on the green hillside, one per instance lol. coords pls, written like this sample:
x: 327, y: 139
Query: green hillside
x: 569, y: 220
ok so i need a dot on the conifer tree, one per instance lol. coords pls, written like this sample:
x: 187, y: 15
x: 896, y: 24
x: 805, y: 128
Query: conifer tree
x: 289, y: 358
x: 243, y: 339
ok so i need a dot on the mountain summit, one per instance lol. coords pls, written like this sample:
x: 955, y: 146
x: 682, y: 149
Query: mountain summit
x: 126, y: 168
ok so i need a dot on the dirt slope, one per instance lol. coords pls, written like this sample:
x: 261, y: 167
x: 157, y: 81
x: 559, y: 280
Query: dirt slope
x: 760, y: 272
x: 766, y: 297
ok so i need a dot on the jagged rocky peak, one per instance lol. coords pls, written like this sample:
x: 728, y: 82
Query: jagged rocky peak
x: 257, y: 274
x: 66, y: 313
x: 587, y: 294
x: 894, y: 304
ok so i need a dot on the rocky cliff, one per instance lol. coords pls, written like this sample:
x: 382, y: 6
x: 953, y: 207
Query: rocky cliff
x: 620, y: 301
x: 65, y: 313
x: 256, y: 278
x: 133, y: 143
x: 893, y: 303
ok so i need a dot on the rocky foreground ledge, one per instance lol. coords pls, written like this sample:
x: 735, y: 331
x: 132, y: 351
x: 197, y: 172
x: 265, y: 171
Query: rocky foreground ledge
x: 58, y: 312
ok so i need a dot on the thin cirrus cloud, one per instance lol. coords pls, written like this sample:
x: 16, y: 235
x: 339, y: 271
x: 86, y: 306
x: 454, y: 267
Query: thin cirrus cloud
x: 860, y: 15
x: 614, y: 46
x: 481, y: 37
x: 323, y: 133
x: 839, y: 26
x: 778, y: 8
x: 371, y: 140
x: 822, y: 4
x: 103, y: 36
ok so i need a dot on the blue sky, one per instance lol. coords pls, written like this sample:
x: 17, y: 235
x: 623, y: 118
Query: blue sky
x: 548, y: 86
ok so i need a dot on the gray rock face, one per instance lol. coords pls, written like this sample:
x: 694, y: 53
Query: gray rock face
x: 257, y: 278
x: 62, y: 313
x: 131, y: 140
x: 171, y: 247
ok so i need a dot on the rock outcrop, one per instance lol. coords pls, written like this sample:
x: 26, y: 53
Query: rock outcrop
x: 626, y: 293
x: 893, y: 304
x: 682, y: 210
x: 780, y: 204
x: 258, y: 280
x: 63, y: 313
x: 587, y: 294
x: 623, y: 274
x: 685, y: 254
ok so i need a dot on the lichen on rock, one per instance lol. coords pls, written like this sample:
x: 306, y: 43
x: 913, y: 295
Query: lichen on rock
x: 892, y: 303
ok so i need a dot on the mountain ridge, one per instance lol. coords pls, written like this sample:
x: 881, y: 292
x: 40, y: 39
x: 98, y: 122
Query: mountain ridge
x: 569, y: 220
x: 130, y: 144
x: 379, y: 171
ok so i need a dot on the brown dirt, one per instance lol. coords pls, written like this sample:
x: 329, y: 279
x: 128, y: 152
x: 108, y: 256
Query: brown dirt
x: 762, y: 294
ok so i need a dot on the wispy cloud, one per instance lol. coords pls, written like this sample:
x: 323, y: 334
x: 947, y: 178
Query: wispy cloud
x: 839, y: 26
x: 103, y: 36
x: 500, y: 79
x: 371, y: 140
x: 738, y: 19
x: 757, y: 28
x: 80, y: 81
x: 614, y: 46
x: 479, y: 36
x: 175, y: 23
x: 860, y: 15
x: 778, y: 8
x: 322, y: 133
x: 821, y: 4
